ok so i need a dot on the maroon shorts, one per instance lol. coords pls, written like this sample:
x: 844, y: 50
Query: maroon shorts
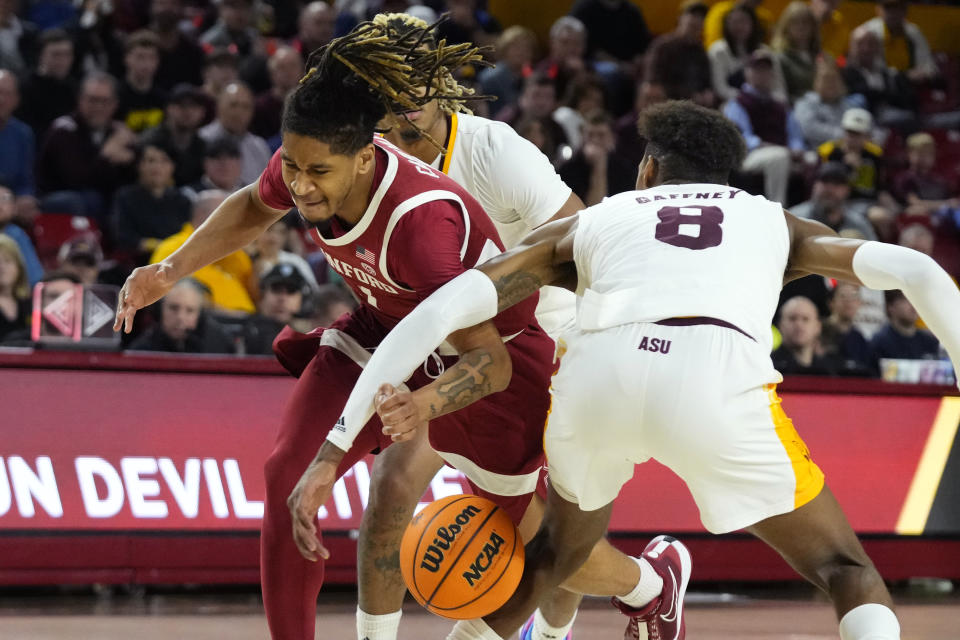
x: 501, y: 434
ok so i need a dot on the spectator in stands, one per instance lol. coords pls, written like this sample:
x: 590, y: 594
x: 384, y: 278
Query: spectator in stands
x: 221, y: 68
x: 329, y: 303
x: 630, y: 146
x: 17, y: 39
x: 17, y: 149
x: 283, y: 294
x: 231, y: 280
x: 584, y: 96
x: 840, y: 338
x: 833, y: 27
x: 82, y: 257
x: 918, y: 237
x: 221, y: 168
x: 141, y: 102
x: 49, y: 91
x: 33, y: 268
x: 468, y: 22
x: 15, y: 304
x: 772, y: 134
x: 830, y: 202
x: 234, y: 29
x: 151, y: 209
x: 887, y: 92
x: 596, y: 171
x: 798, y: 354
x: 234, y: 114
x: 179, y: 133
x: 536, y: 131
x: 820, y: 112
x: 269, y: 251
x: 286, y: 69
x: 86, y: 155
x: 315, y: 27
x: 920, y: 189
x: 862, y: 157
x: 796, y: 40
x: 678, y: 62
x: 729, y: 55
x: 539, y: 101
x: 566, y: 57
x: 905, y: 48
x: 901, y: 338
x: 181, y: 58
x: 616, y: 31
x: 184, y: 326
x: 714, y: 26
x: 516, y: 50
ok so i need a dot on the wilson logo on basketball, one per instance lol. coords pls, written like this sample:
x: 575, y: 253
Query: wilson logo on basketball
x: 444, y: 537
x: 484, y: 559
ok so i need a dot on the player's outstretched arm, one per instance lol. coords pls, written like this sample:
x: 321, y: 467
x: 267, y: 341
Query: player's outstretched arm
x: 233, y: 225
x: 814, y: 248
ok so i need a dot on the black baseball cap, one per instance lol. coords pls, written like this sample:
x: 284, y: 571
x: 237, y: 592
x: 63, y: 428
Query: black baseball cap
x: 833, y: 172
x: 287, y: 275
x: 222, y: 146
x: 184, y: 92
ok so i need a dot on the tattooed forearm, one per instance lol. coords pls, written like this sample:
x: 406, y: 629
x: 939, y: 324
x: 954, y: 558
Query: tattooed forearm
x: 515, y: 287
x: 464, y: 383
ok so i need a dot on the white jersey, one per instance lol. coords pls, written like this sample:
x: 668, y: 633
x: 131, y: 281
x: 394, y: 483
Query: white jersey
x: 678, y: 251
x: 516, y: 185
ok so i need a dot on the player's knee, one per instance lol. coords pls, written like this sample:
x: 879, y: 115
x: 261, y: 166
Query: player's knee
x: 840, y: 570
x: 392, y: 490
x: 276, y: 472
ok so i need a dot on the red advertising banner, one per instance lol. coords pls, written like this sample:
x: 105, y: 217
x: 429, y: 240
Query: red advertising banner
x: 110, y: 450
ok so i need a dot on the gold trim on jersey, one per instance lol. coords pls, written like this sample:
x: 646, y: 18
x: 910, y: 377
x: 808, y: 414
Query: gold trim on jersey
x: 926, y: 480
x: 448, y: 148
x: 808, y: 476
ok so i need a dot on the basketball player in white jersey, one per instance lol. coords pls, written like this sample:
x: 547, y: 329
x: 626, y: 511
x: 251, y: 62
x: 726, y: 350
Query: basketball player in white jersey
x: 520, y: 190
x: 670, y: 360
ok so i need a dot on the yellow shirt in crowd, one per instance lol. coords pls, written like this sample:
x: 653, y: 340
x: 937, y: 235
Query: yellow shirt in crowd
x: 225, y: 278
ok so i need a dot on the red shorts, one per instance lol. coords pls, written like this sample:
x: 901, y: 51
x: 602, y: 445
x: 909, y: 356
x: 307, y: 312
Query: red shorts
x: 497, y: 441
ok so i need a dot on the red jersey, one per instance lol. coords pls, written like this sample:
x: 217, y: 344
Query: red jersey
x: 420, y: 230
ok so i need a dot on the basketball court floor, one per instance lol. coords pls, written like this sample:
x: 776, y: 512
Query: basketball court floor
x: 743, y: 613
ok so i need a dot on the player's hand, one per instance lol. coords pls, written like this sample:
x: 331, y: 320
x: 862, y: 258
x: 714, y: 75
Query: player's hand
x: 313, y: 489
x: 144, y: 286
x: 399, y: 413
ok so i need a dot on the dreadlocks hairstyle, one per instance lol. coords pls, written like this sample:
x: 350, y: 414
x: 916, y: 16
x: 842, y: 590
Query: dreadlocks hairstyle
x: 388, y: 65
x: 691, y: 142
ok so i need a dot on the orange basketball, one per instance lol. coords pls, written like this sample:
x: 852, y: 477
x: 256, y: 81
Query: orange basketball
x: 462, y: 557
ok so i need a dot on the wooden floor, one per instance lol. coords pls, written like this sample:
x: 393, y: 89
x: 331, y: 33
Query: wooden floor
x: 783, y: 614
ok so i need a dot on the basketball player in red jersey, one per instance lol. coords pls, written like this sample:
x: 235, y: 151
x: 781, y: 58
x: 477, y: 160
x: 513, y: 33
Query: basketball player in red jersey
x: 398, y: 230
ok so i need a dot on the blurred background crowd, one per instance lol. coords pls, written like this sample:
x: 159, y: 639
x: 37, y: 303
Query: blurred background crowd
x: 124, y: 123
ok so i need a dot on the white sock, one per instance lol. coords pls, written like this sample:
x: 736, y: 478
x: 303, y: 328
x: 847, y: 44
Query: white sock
x: 649, y: 587
x: 870, y: 622
x: 543, y: 631
x: 472, y: 630
x: 383, y: 627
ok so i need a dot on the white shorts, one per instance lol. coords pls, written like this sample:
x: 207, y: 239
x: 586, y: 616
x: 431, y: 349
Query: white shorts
x: 699, y: 399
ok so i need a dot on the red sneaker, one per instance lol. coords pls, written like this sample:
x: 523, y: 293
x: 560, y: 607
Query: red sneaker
x: 663, y: 616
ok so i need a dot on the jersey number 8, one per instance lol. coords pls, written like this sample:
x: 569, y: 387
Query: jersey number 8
x: 675, y: 221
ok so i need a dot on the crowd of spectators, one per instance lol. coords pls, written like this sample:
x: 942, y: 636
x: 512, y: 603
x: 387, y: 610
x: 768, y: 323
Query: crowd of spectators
x: 138, y: 117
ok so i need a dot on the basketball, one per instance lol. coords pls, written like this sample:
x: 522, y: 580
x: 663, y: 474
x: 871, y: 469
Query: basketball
x: 461, y: 557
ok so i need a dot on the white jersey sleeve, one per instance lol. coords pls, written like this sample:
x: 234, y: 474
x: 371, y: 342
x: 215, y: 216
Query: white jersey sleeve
x: 519, y: 183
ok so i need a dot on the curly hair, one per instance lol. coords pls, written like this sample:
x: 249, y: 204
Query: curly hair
x: 387, y: 65
x: 691, y: 142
